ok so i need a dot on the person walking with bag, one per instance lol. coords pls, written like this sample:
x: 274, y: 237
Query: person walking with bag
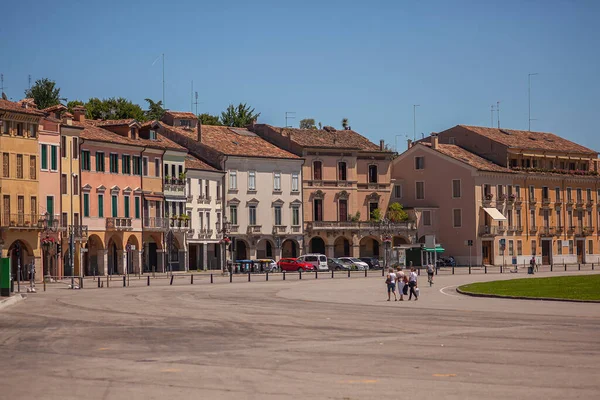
x: 390, y: 280
x: 412, y: 284
x: 400, y: 282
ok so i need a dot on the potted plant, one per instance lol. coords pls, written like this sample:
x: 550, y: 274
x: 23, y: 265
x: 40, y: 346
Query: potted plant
x: 489, y: 196
x: 226, y: 241
x: 185, y: 219
x: 182, y: 177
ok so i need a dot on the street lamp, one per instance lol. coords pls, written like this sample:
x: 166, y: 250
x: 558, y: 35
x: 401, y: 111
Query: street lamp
x: 386, y: 231
x: 50, y: 225
x: 225, y: 241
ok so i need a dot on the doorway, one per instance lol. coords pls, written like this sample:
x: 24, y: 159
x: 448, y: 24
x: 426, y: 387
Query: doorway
x: 486, y: 252
x: 193, y: 254
x: 581, y: 251
x: 546, y: 252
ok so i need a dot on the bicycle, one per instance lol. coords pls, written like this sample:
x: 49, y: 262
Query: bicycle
x: 430, y: 279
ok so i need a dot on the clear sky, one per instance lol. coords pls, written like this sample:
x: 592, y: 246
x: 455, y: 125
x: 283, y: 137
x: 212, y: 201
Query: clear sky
x: 368, y: 61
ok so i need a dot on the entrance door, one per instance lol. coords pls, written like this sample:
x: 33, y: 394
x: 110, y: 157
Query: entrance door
x: 546, y: 252
x: 486, y: 252
x: 192, y: 254
x: 581, y: 251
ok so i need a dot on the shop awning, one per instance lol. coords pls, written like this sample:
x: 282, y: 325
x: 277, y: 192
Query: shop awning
x: 154, y: 197
x: 438, y: 249
x: 494, y: 213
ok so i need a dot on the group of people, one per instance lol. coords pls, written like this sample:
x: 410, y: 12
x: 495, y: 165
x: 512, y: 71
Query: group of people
x: 406, y: 284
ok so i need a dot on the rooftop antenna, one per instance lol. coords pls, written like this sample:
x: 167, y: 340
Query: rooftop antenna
x: 289, y: 115
x: 529, y: 96
x: 163, y: 77
x: 498, y: 112
x: 2, y: 87
x: 415, y: 121
x: 192, y: 98
x: 29, y: 81
x: 196, y: 103
x: 492, y: 120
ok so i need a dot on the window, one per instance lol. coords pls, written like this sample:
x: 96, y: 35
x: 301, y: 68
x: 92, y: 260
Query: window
x: 545, y: 193
x: 145, y: 166
x: 207, y: 188
x: 590, y: 248
x: 519, y: 247
x: 115, y: 206
x: 157, y: 167
x: 32, y: 167
x: 75, y: 188
x: 569, y: 195
x: 419, y: 162
x: 114, y: 163
x: 558, y: 218
x: 152, y: 135
x: 33, y: 204
x: 19, y: 166
x: 233, y: 215
x: 64, y: 219
x: 451, y: 140
x: 342, y: 171
x: 420, y: 190
x: 19, y: 129
x: 513, y: 162
x: 318, y: 210
x: 33, y: 130
x: 86, y: 204
x: 5, y: 165
x: 200, y: 187
x: 137, y: 165
x: 252, y: 215
x: 251, y: 180
x: 559, y: 247
x: 589, y: 219
x: 518, y: 191
x: 372, y: 173
x: 398, y: 191
x: 588, y: 194
x: 511, y: 248
x: 579, y: 195
x: 343, y: 210
x: 184, y: 122
x: 44, y: 155
x: 126, y: 164
x: 218, y: 223
x: 132, y: 133
x: 531, y: 193
x: 519, y: 221
x: 509, y: 217
x: 557, y: 194
x: 232, y: 180
x: 201, y: 220
x: 99, y: 161
x: 570, y: 247
x: 6, y: 129
x: 277, y: 215
x: 457, y: 218
x: 75, y: 148
x: 570, y: 218
x: 372, y: 207
x: 533, y: 247
x: 218, y: 190
x: 277, y: 182
x: 63, y: 146
x: 85, y: 160
x: 427, y: 218
x: 100, y: 206
x: 532, y: 218
x: 63, y: 184
x: 546, y: 218
x: 456, y: 189
x: 295, y: 216
x: 295, y: 182
x: 317, y: 171
x: 137, y: 207
x: 50, y: 205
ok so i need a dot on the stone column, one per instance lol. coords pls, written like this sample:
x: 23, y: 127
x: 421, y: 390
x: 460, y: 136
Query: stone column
x: 160, y: 261
x: 138, y: 261
x: 121, y: 261
x: 204, y: 255
x: 102, y: 258
x: 39, y: 269
x: 329, y: 250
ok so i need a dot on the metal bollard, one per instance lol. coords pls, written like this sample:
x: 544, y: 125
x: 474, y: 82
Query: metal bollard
x: 81, y: 282
x: 267, y: 276
x: 45, y: 284
x: 382, y: 272
x: 331, y: 274
x: 98, y: 283
x: 502, y: 268
x: 551, y: 267
x: 300, y: 274
x: 579, y: 267
x: 485, y: 269
x: 565, y: 264
x: 192, y: 279
x: 316, y: 274
x: 148, y: 280
x: 124, y: 282
x: 72, y: 283
x: 348, y: 273
x: 453, y: 270
x: 365, y: 273
x: 248, y: 276
x: 107, y: 281
x: 592, y: 266
x: 211, y: 278
x: 172, y: 276
x: 469, y: 270
x: 230, y: 277
x: 284, y: 275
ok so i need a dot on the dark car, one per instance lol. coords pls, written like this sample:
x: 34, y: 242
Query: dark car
x: 335, y: 264
x: 372, y: 262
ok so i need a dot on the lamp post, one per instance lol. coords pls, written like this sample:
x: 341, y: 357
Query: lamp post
x: 225, y: 242
x: 386, y: 231
x: 50, y: 225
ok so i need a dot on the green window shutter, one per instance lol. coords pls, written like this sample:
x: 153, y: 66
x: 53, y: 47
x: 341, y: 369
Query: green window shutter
x: 50, y: 205
x: 137, y: 207
x: 86, y: 205
x: 54, y: 158
x: 100, y: 206
x: 114, y: 207
x: 123, y: 164
x: 44, y: 156
x: 126, y: 206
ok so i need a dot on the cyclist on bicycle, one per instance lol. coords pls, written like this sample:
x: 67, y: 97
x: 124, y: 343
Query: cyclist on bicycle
x: 430, y: 273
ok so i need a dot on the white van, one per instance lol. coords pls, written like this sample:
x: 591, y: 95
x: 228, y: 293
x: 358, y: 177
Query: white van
x: 318, y: 260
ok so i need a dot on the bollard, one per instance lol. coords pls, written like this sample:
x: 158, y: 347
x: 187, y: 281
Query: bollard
x: 192, y: 279
x: 248, y: 276
x: 551, y: 267
x: 579, y: 267
x: 418, y: 271
x: 284, y: 275
x: 453, y: 270
x: 72, y: 283
x: 485, y: 269
x: 501, y: 268
x: 124, y: 282
x: 592, y: 266
x: 148, y: 280
x: 365, y: 273
x: 382, y: 272
x: 348, y: 273
x: 81, y: 282
x: 565, y: 264
x: 211, y: 278
x: 230, y: 277
x: 267, y: 276
x: 107, y: 281
x: 469, y: 270
x: 316, y: 274
x: 300, y: 274
x: 98, y: 283
x: 172, y: 276
x: 331, y: 274
x: 45, y: 285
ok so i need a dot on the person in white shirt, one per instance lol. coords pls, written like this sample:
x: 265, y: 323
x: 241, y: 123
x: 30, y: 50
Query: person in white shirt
x: 400, y: 283
x: 391, y: 284
x: 412, y: 284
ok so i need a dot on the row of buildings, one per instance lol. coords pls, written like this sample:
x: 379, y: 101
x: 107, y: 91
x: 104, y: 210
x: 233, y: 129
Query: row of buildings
x: 124, y: 195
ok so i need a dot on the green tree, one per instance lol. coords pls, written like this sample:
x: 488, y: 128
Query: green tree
x: 396, y: 213
x: 113, y: 108
x: 44, y: 92
x: 239, y: 116
x: 207, y: 119
x: 376, y: 215
x: 155, y: 110
x: 74, y: 103
x: 345, y: 123
x: 307, y: 123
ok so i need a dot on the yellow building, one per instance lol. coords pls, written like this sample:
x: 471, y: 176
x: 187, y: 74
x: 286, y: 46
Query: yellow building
x: 20, y: 222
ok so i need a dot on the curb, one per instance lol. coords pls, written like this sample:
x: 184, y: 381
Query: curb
x: 498, y: 296
x: 12, y: 300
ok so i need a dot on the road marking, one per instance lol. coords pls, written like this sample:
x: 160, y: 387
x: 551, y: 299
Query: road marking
x: 104, y: 348
x: 360, y: 381
x: 170, y: 370
x: 444, y: 375
x: 447, y: 294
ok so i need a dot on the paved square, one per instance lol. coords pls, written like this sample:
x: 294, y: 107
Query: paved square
x: 321, y: 339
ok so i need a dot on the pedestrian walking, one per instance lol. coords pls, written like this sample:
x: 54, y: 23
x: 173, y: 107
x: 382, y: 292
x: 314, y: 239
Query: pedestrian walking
x: 400, y: 277
x: 412, y: 284
x: 390, y: 280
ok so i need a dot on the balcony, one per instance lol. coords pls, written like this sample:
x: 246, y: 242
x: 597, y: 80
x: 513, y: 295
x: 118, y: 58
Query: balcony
x: 569, y: 202
x: 545, y: 201
x: 559, y: 230
x: 156, y: 223
x: 501, y: 229
x: 234, y: 228
x: 533, y: 230
x: 279, y: 229
x: 584, y: 231
x: 296, y: 229
x: 23, y: 221
x: 367, y: 226
x: 589, y: 203
x: 558, y: 201
x: 487, y: 199
x: 203, y: 199
x: 570, y: 230
x: 502, y: 198
x: 118, y: 224
x: 547, y: 231
x: 179, y: 224
x: 579, y: 203
x: 174, y: 185
x: 189, y: 234
x: 254, y: 229
x: 488, y: 230
x: 532, y: 200
x: 518, y: 200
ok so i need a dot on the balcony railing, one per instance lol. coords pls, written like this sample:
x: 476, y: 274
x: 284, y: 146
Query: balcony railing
x: 254, y: 229
x: 179, y: 224
x: 487, y: 199
x: 518, y: 200
x: 359, y: 225
x: 579, y: 203
x: 532, y: 200
x: 156, y: 223
x: 589, y: 202
x: 559, y: 230
x: 23, y: 221
x: 547, y: 231
x: 584, y: 231
x: 488, y: 230
x: 501, y: 229
x: 502, y: 197
x: 569, y: 202
x: 118, y: 223
x: 279, y: 229
x: 533, y: 229
x: 234, y: 228
x: 203, y: 199
x: 296, y: 229
x: 558, y: 201
x: 189, y: 233
x: 545, y: 201
x: 175, y: 185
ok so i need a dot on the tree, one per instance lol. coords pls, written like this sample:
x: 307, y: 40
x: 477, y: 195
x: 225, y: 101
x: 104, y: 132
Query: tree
x: 376, y: 215
x: 396, y: 213
x: 239, y: 116
x: 207, y: 119
x: 345, y: 123
x: 72, y: 104
x: 45, y: 93
x: 113, y: 108
x: 155, y: 110
x: 307, y: 123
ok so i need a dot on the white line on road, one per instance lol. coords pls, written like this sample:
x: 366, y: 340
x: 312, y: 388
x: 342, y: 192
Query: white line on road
x: 447, y: 294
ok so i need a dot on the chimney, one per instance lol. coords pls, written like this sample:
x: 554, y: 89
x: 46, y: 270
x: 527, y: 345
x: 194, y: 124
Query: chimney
x: 434, y: 141
x: 382, y: 145
x: 409, y: 143
x: 67, y: 118
x: 79, y: 112
x: 199, y: 131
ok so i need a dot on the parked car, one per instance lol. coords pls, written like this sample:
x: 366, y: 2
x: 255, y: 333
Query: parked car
x: 293, y: 264
x: 335, y: 264
x: 355, y: 262
x: 372, y: 262
x: 318, y: 260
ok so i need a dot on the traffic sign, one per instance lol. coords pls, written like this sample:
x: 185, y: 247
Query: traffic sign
x: 128, y: 247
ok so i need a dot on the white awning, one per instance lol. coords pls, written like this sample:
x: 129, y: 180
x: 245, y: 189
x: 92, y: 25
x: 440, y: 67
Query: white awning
x: 495, y: 214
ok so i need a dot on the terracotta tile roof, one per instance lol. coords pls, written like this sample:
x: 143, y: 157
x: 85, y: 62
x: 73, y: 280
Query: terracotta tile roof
x: 181, y: 114
x: 7, y: 105
x: 233, y: 141
x: 465, y: 156
x: 529, y: 140
x: 192, y: 162
x: 57, y: 107
x: 343, y: 139
x: 110, y: 122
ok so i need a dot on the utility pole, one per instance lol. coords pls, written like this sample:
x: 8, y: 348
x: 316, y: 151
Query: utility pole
x: 415, y: 121
x: 196, y: 103
x: 529, y: 96
x: 29, y: 81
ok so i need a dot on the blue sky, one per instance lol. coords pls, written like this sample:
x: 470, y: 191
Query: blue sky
x: 367, y: 61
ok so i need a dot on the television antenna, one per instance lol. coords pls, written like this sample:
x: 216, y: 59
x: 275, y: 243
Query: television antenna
x: 289, y: 115
x: 2, y: 87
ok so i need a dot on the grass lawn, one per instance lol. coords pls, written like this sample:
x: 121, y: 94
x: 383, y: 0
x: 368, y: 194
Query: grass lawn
x: 583, y: 287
